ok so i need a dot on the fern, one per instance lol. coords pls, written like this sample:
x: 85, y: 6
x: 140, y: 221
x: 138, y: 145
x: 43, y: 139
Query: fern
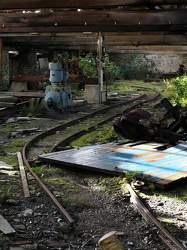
x: 35, y: 107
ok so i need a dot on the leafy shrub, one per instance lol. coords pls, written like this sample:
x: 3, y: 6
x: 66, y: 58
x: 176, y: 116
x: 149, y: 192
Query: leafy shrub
x: 137, y: 66
x: 178, y: 86
x: 89, y: 64
x: 112, y: 70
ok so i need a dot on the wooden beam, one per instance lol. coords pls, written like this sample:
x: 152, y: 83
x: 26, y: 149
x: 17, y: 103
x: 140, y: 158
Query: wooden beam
x: 35, y: 31
x: 94, y: 18
x: 149, y: 48
x: 124, y: 49
x: 129, y: 40
x: 34, y: 4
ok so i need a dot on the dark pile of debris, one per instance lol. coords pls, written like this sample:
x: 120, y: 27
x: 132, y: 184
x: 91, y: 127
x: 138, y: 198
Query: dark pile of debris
x: 139, y: 125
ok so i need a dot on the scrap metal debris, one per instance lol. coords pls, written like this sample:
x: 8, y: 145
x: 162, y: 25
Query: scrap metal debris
x: 5, y: 227
x: 139, y: 125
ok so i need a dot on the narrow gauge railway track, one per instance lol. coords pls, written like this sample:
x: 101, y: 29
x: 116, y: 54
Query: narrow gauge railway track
x: 51, y: 137
x: 55, y: 135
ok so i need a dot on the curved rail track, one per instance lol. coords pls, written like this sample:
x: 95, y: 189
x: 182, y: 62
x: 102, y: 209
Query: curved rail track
x: 50, y: 139
x: 59, y: 136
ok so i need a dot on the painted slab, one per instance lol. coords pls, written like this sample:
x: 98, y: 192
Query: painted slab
x: 157, y: 166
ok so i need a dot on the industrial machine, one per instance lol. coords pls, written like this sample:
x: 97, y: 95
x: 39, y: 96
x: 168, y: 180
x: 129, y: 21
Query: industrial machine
x: 58, y: 95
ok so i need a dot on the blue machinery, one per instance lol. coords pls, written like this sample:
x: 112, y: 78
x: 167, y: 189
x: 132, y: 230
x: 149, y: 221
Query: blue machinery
x: 58, y: 95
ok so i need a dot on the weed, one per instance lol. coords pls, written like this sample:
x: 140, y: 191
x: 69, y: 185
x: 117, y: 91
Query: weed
x: 38, y: 170
x: 152, y: 187
x: 9, y: 129
x: 112, y: 185
x: 5, y: 194
x: 35, y: 107
x: 132, y: 176
x: 46, y: 151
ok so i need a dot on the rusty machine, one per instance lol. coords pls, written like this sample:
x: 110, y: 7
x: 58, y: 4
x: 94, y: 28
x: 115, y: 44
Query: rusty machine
x: 139, y: 125
x: 58, y: 95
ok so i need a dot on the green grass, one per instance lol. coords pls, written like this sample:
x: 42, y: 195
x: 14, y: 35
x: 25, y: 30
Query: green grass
x: 124, y: 86
x: 103, y: 134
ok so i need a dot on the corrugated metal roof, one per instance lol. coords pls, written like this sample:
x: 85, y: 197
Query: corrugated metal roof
x: 158, y: 166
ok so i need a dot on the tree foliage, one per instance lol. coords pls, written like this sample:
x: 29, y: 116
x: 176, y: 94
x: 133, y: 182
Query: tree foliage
x: 89, y: 63
x: 178, y: 86
x: 137, y: 66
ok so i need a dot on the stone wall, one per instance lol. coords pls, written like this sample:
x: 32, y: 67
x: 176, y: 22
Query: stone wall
x: 164, y: 63
x: 167, y: 63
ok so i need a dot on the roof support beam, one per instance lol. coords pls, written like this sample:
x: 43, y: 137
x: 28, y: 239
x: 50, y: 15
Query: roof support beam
x: 95, y: 18
x: 34, y: 4
x: 35, y: 31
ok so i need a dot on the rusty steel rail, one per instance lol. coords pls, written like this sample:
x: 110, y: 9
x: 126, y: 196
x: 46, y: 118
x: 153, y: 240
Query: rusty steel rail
x: 147, y: 214
x: 52, y: 131
x: 30, y: 143
x: 81, y: 132
x: 144, y: 211
x: 48, y: 192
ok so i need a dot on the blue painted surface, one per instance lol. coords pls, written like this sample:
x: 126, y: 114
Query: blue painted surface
x: 156, y: 166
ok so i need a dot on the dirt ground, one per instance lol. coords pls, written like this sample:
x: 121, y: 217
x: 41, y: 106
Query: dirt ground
x: 97, y: 202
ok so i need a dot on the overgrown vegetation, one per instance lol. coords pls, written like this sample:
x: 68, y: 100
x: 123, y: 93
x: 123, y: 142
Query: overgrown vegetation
x: 4, y: 84
x: 133, y: 66
x: 103, y: 134
x: 89, y: 64
x: 117, y: 184
x: 178, y: 88
x: 137, y: 66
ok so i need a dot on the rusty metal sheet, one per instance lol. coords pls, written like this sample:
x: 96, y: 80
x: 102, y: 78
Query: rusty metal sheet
x: 157, y: 166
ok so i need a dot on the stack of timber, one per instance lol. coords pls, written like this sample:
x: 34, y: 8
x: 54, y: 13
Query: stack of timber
x: 7, y: 99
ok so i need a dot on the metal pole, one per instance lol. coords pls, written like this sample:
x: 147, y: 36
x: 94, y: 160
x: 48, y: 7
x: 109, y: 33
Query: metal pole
x: 100, y: 67
x: 1, y: 59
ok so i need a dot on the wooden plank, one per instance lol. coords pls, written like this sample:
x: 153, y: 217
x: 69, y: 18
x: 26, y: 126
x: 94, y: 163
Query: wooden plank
x: 26, y: 94
x: 23, y: 176
x: 5, y: 227
x: 6, y: 104
x: 28, y: 4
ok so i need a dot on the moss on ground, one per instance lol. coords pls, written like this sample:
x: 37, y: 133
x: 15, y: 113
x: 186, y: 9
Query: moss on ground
x: 103, y: 134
